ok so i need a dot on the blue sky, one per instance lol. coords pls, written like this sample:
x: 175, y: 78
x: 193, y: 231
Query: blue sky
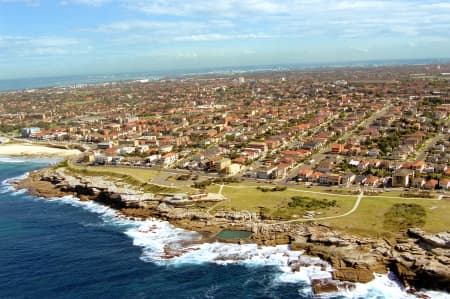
x: 65, y: 37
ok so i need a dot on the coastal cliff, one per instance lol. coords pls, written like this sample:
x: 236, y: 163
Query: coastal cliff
x: 419, y: 260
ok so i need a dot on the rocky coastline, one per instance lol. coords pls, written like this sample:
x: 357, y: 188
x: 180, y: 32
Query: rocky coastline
x: 419, y: 260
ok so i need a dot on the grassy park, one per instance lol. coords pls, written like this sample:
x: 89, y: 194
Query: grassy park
x: 369, y: 219
x: 384, y: 214
x: 142, y: 175
x: 132, y: 176
x: 276, y: 204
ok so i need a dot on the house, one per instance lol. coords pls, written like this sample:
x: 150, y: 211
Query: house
x: 330, y: 179
x: 418, y: 182
x: 337, y: 148
x: 348, y: 178
x: 102, y: 159
x: 29, y: 132
x: 221, y: 164
x: 232, y: 169
x: 153, y: 158
x: 281, y: 170
x: 240, y: 160
x: 250, y: 154
x: 360, y: 179
x: 418, y: 165
x: 430, y: 184
x: 169, y: 158
x: 262, y: 146
x: 304, y: 174
x: 402, y: 178
x: 375, y: 163
x: 142, y: 148
x: 372, y: 181
x: 325, y: 165
x: 334, y: 179
x: 314, y: 178
x: 354, y: 162
x: 165, y: 148
x: 272, y: 143
x: 311, y: 145
x: 445, y: 184
x: 296, y: 155
x: 266, y: 172
x: 126, y: 150
x: 440, y: 168
x: 198, y: 157
x: 105, y: 145
x: 373, y: 153
x: 116, y: 160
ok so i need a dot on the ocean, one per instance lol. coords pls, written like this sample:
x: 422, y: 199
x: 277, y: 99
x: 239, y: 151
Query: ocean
x: 64, y: 248
x: 82, y: 80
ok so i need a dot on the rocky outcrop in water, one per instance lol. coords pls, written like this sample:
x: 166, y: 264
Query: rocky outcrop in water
x: 420, y: 260
x: 423, y: 260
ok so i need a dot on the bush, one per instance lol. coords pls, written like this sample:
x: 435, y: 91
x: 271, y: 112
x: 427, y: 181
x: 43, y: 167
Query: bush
x: 402, y: 216
x: 184, y: 177
x: 311, y: 203
x: 202, y: 185
x: 422, y: 194
x: 227, y: 180
x: 274, y: 189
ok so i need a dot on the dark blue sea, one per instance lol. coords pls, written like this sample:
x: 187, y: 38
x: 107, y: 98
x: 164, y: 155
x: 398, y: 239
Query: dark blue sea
x: 64, y: 248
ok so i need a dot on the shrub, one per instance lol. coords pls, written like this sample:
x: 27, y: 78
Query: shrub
x: 202, y: 185
x: 311, y: 203
x: 274, y: 189
x: 402, y: 216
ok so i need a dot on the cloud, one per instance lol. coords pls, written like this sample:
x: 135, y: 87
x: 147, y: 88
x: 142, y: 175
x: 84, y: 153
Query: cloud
x: 438, y: 5
x: 341, y: 18
x: 301, y: 28
x: 143, y: 25
x: 206, y: 7
x: 84, y: 2
x: 34, y: 3
x: 293, y: 18
x: 218, y: 36
x: 40, y: 46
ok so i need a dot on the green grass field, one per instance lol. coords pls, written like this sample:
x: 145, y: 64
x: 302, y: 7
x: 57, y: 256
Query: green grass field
x: 247, y: 197
x: 367, y: 220
x: 133, y: 176
x: 142, y: 175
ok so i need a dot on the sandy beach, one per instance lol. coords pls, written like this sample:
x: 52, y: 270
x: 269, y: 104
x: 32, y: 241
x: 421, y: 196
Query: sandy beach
x: 35, y: 151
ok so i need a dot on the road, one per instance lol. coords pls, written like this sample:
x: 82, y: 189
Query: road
x: 321, y: 154
x: 421, y: 153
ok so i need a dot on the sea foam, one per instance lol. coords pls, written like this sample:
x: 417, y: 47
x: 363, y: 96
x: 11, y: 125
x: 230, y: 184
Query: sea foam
x: 11, y: 160
x: 8, y: 187
x: 166, y: 245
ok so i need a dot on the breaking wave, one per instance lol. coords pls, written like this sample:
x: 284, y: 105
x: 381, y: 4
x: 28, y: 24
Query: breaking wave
x: 166, y: 245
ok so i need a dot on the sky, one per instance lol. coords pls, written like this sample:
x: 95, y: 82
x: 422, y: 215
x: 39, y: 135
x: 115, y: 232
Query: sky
x: 40, y: 38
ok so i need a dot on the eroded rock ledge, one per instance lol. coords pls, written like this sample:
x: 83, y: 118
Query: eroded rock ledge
x: 419, y: 260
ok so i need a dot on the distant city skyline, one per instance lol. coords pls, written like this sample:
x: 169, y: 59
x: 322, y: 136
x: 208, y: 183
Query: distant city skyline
x: 74, y: 37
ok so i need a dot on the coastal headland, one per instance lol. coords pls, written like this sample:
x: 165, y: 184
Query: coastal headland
x: 420, y: 259
x: 347, y: 164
